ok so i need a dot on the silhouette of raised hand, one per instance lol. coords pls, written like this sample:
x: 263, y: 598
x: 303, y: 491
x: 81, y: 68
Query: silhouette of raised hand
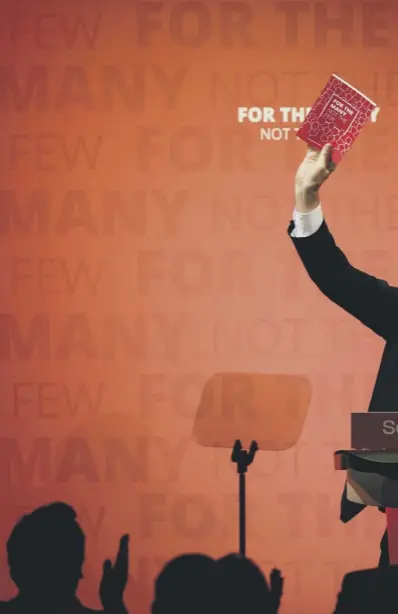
x: 114, y: 580
x: 276, y: 581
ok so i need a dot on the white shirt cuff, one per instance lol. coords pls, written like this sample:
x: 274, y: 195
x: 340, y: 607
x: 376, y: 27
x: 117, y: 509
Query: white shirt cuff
x: 306, y: 224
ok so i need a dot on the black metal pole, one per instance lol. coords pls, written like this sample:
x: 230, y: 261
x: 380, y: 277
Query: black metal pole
x: 243, y: 459
x: 242, y: 514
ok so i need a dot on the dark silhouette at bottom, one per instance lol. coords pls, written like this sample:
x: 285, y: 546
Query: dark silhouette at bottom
x: 46, y: 551
x: 369, y: 591
x: 186, y: 585
x: 243, y: 587
x: 199, y: 584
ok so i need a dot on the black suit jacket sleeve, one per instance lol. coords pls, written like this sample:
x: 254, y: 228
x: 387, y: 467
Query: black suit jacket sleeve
x: 369, y: 299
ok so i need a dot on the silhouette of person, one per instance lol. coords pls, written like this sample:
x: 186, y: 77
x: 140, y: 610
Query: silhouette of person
x: 46, y: 550
x: 367, y: 298
x: 186, y: 585
x: 369, y: 591
x: 242, y: 587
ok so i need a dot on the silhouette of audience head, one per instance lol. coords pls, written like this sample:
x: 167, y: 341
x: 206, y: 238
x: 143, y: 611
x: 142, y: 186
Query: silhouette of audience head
x: 46, y: 554
x: 242, y: 586
x: 369, y: 591
x: 186, y: 584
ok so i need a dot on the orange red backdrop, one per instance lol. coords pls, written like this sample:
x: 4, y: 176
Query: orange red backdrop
x: 143, y: 248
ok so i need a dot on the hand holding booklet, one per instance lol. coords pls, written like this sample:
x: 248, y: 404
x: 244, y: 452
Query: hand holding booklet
x: 337, y: 117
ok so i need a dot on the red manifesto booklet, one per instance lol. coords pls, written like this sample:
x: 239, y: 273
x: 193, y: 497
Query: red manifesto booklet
x: 337, y: 117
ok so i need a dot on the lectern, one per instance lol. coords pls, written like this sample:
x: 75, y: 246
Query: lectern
x: 372, y: 467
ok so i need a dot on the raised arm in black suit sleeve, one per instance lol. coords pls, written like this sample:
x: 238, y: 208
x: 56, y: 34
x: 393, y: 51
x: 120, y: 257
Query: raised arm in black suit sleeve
x: 369, y: 299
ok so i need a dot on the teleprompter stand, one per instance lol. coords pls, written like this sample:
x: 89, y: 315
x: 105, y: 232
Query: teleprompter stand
x: 268, y: 410
x: 243, y: 459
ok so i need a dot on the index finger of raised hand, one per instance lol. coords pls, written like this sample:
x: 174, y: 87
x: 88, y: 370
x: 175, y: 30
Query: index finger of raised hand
x: 122, y: 558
